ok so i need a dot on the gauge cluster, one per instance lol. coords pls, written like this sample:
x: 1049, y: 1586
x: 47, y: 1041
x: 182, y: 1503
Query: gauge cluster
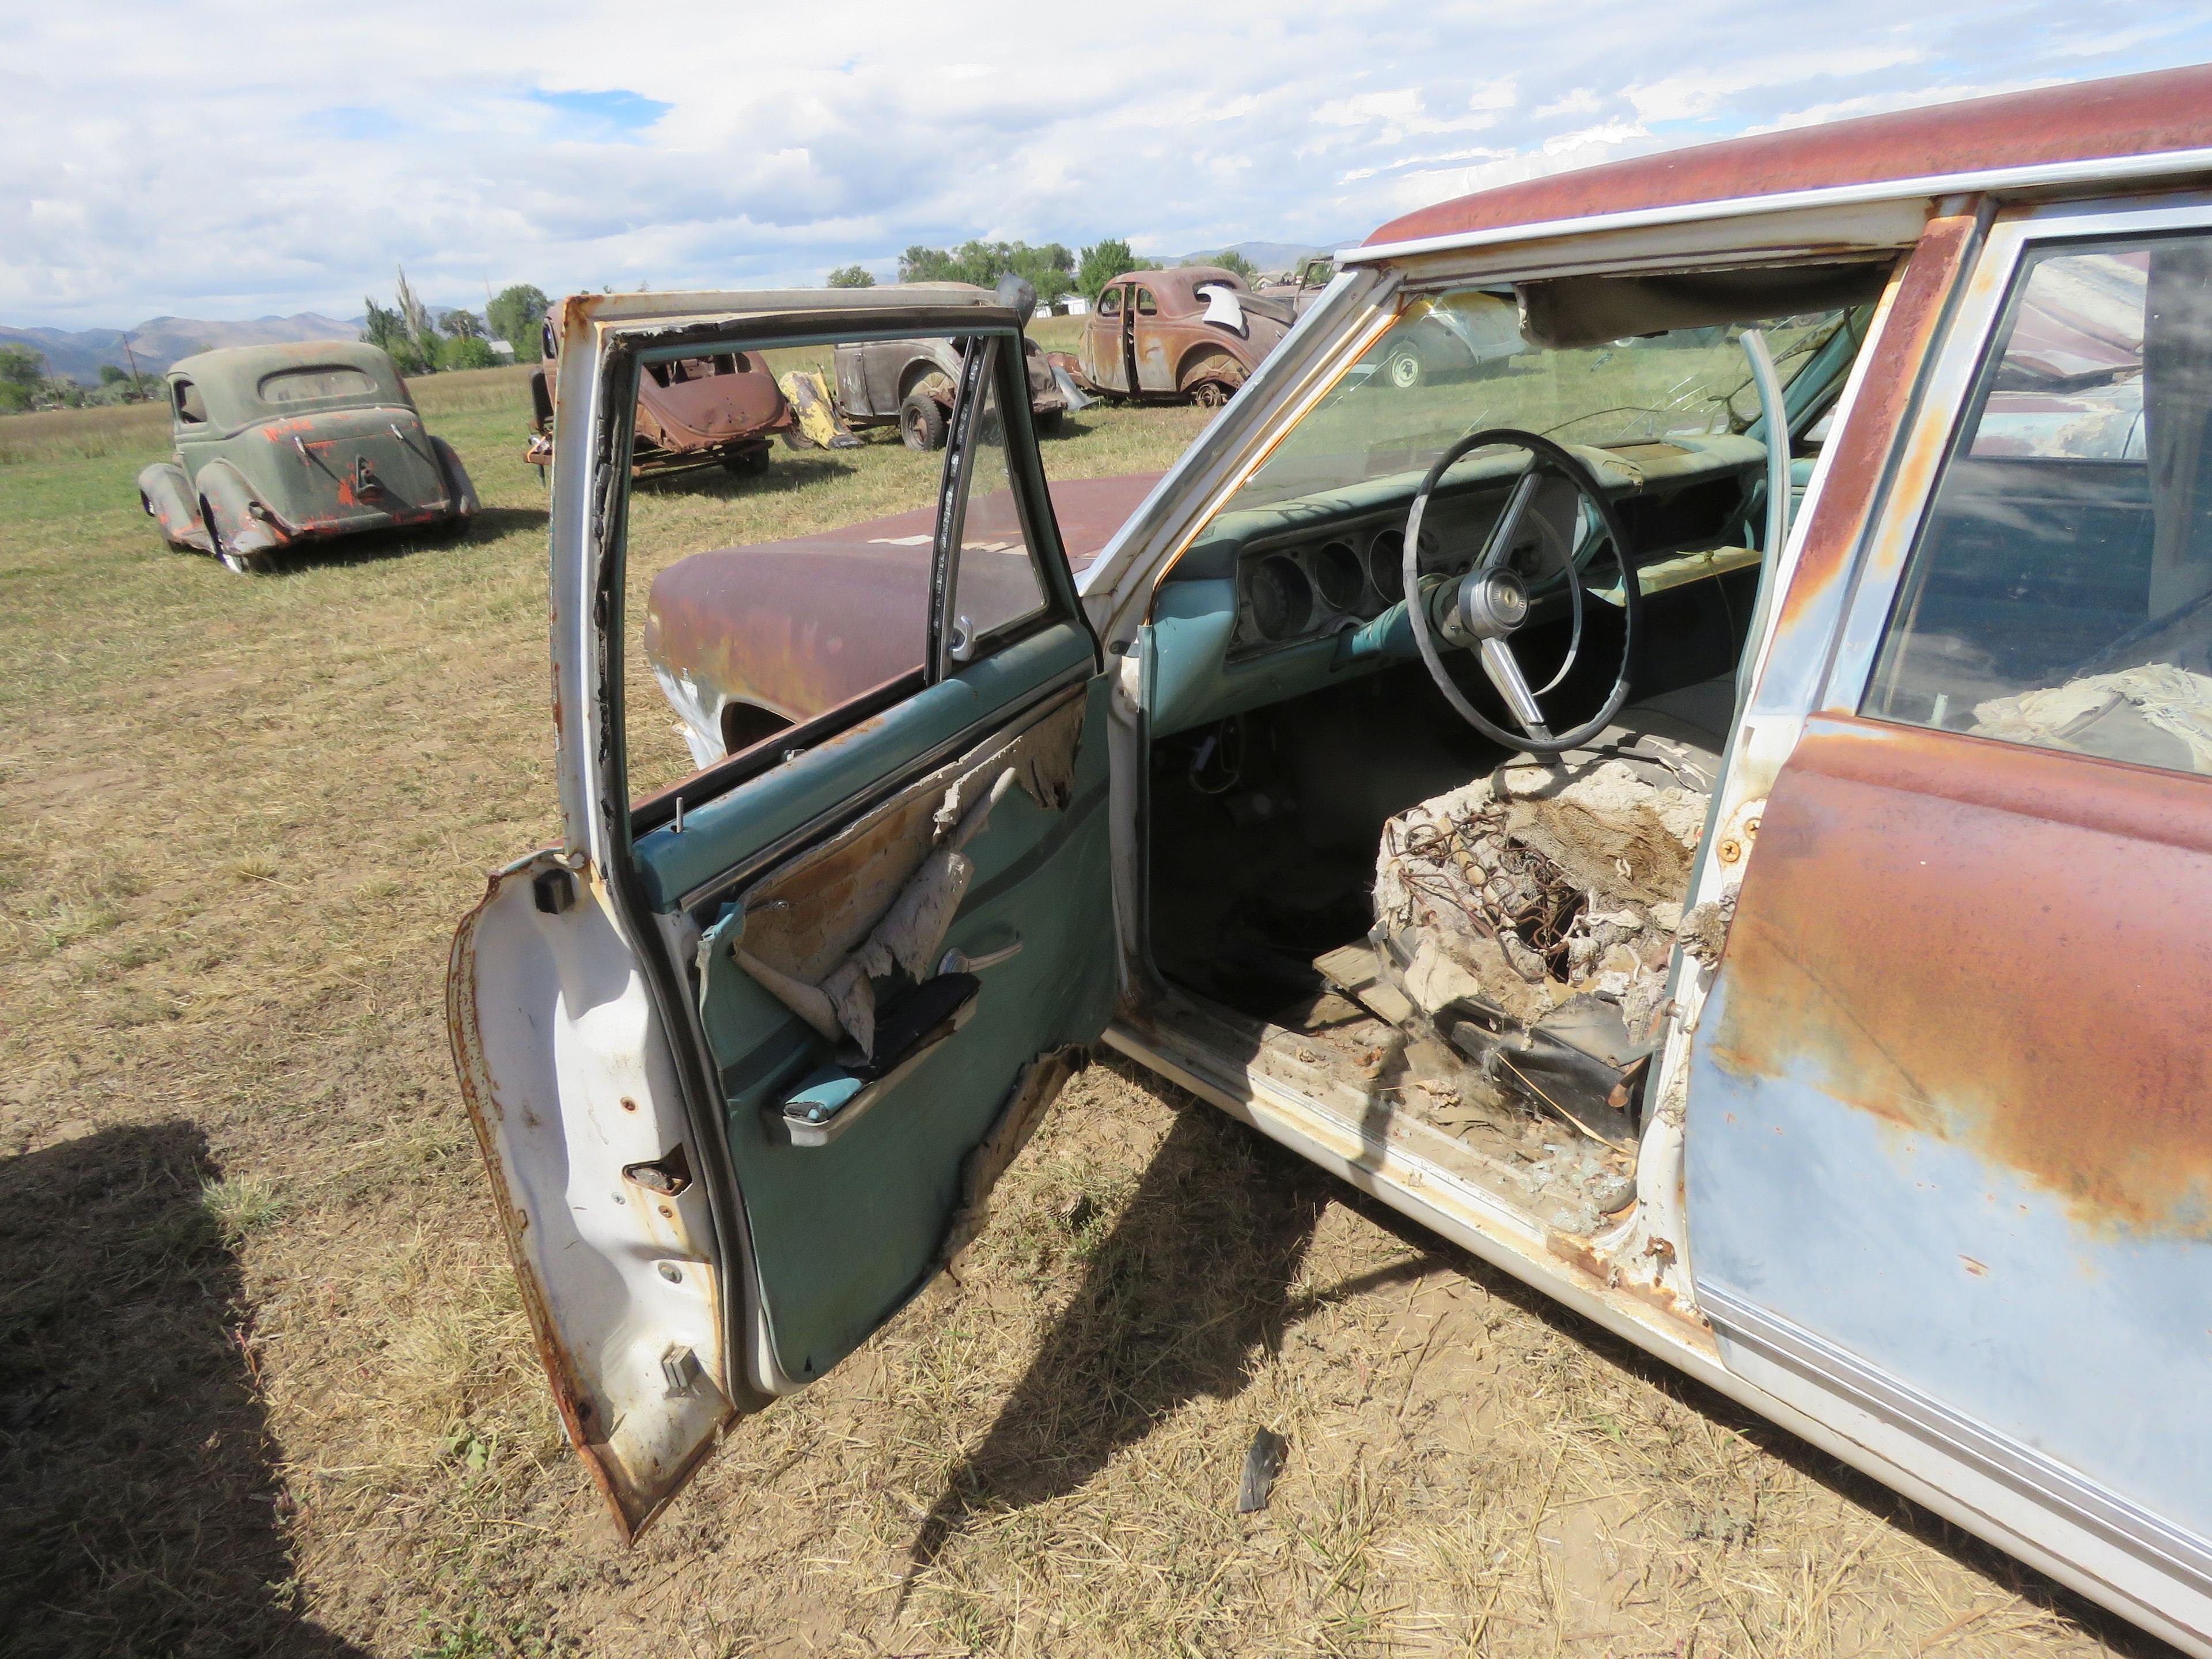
x: 1324, y: 584
x: 1300, y: 581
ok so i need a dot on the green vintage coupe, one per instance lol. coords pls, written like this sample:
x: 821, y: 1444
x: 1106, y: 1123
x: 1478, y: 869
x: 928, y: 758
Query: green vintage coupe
x: 279, y: 445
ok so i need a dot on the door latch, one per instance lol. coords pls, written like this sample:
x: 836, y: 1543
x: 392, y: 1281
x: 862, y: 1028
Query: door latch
x: 667, y: 1176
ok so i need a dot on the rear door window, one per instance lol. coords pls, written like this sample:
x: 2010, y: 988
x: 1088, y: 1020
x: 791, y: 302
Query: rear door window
x: 2060, y: 591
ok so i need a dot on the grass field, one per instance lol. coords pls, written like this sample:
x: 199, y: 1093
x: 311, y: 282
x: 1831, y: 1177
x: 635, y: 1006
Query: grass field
x: 265, y: 1386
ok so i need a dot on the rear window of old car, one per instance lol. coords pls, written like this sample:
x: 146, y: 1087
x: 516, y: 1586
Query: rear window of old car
x: 301, y: 386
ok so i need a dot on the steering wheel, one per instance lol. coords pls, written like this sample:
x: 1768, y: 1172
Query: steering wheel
x: 1492, y: 601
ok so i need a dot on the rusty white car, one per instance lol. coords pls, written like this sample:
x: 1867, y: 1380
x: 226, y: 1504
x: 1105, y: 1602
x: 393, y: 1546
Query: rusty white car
x: 1714, y: 817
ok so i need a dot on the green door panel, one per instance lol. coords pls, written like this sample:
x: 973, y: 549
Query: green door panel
x: 721, y: 833
x: 843, y: 1233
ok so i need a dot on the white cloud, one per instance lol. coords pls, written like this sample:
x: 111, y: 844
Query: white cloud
x: 233, y: 159
x: 1685, y: 97
x: 1583, y: 100
x: 1370, y: 106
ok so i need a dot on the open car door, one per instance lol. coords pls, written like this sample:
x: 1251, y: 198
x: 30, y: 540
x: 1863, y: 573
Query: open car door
x: 746, y: 1051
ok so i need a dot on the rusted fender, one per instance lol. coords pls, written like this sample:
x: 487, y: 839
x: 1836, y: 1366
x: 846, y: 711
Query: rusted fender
x: 460, y: 490
x: 799, y: 627
x: 168, y: 498
x: 230, y: 502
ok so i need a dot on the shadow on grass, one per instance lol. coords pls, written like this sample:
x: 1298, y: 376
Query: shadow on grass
x: 1186, y: 1296
x: 375, y: 546
x: 139, y: 1495
x: 1191, y: 1291
x: 787, y: 472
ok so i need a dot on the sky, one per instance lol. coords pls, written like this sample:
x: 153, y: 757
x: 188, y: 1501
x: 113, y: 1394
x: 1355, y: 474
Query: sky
x: 230, y: 160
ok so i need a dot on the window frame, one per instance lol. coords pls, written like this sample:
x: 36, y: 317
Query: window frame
x: 647, y: 811
x: 1110, y: 299
x: 1950, y: 375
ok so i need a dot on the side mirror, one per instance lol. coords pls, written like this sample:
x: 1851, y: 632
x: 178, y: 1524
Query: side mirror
x: 1016, y: 294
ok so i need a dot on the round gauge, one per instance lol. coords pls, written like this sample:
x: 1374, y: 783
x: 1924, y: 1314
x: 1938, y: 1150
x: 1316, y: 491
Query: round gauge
x: 1386, y: 565
x: 1282, y: 598
x: 1339, y: 575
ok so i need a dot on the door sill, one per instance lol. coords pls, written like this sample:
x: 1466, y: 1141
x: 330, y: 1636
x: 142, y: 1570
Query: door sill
x: 1273, y: 1080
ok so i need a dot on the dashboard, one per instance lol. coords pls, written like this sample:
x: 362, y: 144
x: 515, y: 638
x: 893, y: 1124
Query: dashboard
x: 1273, y: 601
x: 1314, y: 579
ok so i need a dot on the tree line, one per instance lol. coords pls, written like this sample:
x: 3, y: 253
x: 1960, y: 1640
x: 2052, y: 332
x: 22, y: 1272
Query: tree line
x: 1053, y: 270
x: 417, y: 345
x: 25, y: 384
x: 420, y: 344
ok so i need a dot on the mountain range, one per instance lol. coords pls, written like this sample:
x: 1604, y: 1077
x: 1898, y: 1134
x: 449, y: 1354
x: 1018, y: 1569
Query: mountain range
x: 160, y: 341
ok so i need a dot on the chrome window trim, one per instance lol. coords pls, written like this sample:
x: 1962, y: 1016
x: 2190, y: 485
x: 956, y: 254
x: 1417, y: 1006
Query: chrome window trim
x: 1879, y: 561
x: 2042, y: 1480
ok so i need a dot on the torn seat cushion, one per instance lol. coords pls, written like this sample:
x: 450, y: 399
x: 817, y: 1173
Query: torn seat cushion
x: 1546, y: 883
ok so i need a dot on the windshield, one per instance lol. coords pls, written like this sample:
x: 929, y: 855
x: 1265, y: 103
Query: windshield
x: 1458, y: 362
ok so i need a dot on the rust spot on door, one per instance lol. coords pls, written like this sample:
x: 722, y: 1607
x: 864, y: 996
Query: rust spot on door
x: 1999, y: 947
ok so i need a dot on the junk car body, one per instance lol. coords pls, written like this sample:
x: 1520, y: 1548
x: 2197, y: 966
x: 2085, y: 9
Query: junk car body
x: 1186, y: 334
x: 912, y: 381
x: 1713, y: 821
x: 720, y: 409
x: 279, y: 445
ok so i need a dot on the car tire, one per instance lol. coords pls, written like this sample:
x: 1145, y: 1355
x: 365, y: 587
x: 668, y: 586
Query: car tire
x: 921, y: 422
x: 1406, y: 367
x: 1049, y: 422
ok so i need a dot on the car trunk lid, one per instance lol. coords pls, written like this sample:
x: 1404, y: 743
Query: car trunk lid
x: 350, y: 468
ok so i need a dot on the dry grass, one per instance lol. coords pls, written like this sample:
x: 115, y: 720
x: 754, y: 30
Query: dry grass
x: 142, y: 430
x: 237, y: 821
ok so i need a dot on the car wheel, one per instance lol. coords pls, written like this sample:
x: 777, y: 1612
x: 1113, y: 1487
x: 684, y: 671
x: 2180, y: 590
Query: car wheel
x: 1406, y: 367
x: 921, y: 422
x: 749, y: 462
x: 1049, y: 424
x: 1209, y: 394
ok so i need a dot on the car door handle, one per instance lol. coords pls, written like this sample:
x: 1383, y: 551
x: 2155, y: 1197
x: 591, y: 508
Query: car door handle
x: 959, y: 962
